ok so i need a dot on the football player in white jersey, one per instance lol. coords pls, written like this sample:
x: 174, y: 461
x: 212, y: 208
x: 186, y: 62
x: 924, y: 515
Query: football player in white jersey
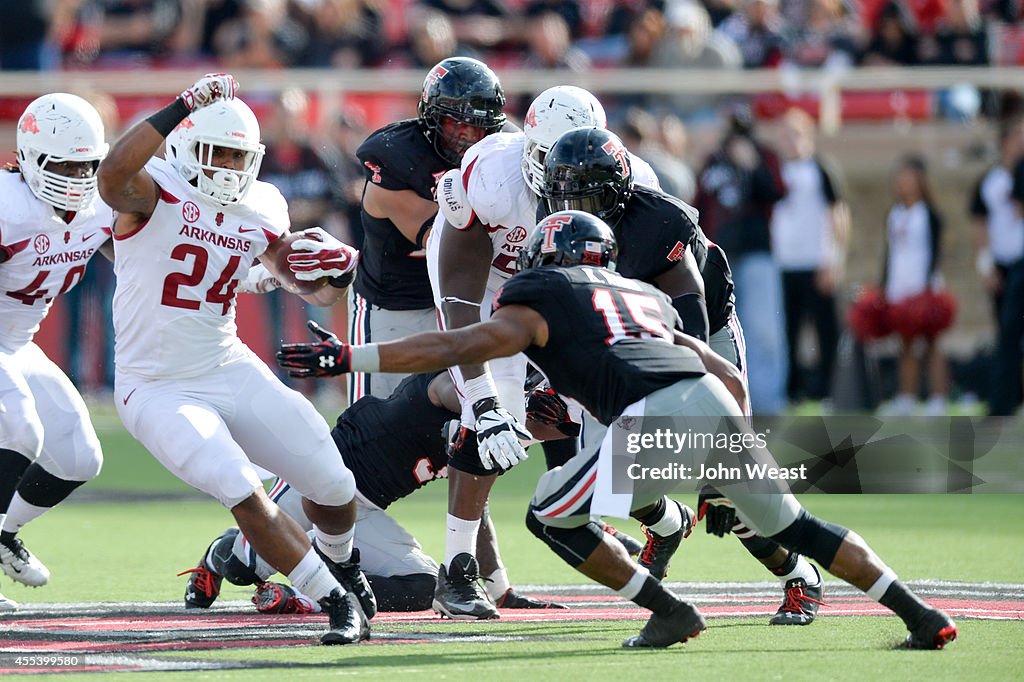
x: 51, y: 224
x: 186, y: 387
x: 487, y: 209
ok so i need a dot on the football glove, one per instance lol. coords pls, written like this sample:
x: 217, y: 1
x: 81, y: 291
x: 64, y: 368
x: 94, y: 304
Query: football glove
x: 278, y: 598
x: 498, y: 435
x: 328, y: 357
x: 719, y: 512
x: 209, y: 89
x: 318, y: 254
x: 545, y: 406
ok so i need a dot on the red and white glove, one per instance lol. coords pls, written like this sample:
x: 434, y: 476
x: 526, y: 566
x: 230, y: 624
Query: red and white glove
x: 209, y: 89
x: 318, y: 254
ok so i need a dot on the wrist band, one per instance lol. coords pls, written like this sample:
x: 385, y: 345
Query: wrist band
x: 479, y: 388
x: 366, y: 358
x: 342, y: 281
x: 168, y: 118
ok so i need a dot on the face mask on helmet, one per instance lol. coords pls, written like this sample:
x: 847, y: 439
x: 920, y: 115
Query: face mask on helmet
x: 568, y: 238
x: 461, y: 103
x: 553, y: 112
x: 56, y: 129
x: 587, y: 170
x: 217, y: 148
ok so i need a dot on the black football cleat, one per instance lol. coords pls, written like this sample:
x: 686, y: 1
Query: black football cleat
x: 800, y: 605
x: 678, y: 625
x: 935, y: 631
x: 352, y: 579
x: 458, y: 595
x: 204, y: 583
x: 632, y: 545
x: 658, y: 550
x: 348, y: 623
x: 513, y: 600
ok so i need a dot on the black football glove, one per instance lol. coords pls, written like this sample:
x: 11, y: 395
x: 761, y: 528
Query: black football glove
x: 328, y: 357
x: 718, y: 512
x: 545, y: 406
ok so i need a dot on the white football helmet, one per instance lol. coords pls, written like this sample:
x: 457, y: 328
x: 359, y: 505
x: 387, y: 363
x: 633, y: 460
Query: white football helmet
x: 556, y: 110
x: 57, y: 128
x: 225, y: 123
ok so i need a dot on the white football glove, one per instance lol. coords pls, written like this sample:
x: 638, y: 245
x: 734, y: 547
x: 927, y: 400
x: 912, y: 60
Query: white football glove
x: 318, y: 254
x: 209, y: 89
x: 258, y: 281
x: 498, y: 435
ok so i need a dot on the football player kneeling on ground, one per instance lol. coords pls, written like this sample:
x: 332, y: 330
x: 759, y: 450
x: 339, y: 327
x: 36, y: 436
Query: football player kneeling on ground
x: 557, y: 310
x: 393, y: 447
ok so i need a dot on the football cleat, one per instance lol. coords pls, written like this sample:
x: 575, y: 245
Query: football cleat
x: 348, y: 623
x: 632, y: 545
x: 278, y: 598
x: 458, y: 595
x: 21, y: 565
x: 658, y: 550
x: 935, y: 631
x: 7, y: 604
x: 352, y: 579
x: 800, y: 605
x: 678, y: 625
x: 204, y: 583
x: 513, y: 600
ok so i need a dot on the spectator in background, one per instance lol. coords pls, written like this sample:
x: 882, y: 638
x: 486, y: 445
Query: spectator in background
x: 809, y: 229
x: 736, y: 191
x: 569, y: 10
x: 960, y: 38
x: 132, y: 31
x: 30, y: 33
x: 913, y: 249
x: 640, y: 133
x: 825, y: 40
x: 482, y: 24
x: 264, y: 36
x: 689, y: 42
x: 757, y: 29
x: 339, y: 155
x: 343, y: 34
x: 550, y: 45
x: 894, y: 39
x: 431, y: 39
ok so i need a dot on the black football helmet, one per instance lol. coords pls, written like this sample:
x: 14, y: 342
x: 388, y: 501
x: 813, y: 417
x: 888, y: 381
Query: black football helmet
x: 466, y: 91
x: 568, y: 238
x: 587, y: 169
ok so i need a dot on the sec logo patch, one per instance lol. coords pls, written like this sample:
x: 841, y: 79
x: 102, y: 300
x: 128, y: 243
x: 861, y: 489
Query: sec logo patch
x: 190, y: 212
x: 41, y: 244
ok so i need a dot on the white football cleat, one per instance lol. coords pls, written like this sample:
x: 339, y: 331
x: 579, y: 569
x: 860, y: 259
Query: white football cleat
x: 21, y: 565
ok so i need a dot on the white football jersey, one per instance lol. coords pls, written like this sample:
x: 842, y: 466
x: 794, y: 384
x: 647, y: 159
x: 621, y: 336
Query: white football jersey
x: 174, y: 305
x: 50, y: 256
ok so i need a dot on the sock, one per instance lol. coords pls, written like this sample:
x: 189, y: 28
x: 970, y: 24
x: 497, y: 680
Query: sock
x: 496, y: 584
x: 633, y: 586
x: 670, y: 522
x: 654, y: 596
x: 796, y: 566
x: 312, y: 577
x: 20, y: 513
x: 904, y: 603
x: 460, y: 538
x: 337, y: 548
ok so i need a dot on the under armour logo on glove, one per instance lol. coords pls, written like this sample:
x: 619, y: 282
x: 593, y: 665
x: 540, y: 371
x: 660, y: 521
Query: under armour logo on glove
x: 209, y: 89
x: 328, y: 357
x: 318, y: 254
x: 498, y: 436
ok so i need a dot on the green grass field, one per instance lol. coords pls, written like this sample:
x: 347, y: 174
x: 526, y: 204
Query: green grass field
x: 130, y: 537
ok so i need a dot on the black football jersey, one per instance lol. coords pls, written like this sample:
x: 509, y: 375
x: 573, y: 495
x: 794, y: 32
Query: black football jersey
x: 609, y: 337
x: 654, y: 233
x: 392, y: 271
x: 395, y: 445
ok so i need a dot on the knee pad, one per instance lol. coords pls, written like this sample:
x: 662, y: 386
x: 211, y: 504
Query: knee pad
x: 812, y: 537
x: 337, y: 491
x: 573, y: 545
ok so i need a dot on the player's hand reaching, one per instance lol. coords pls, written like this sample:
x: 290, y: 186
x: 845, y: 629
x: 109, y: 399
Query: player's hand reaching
x: 209, y: 89
x: 328, y: 357
x: 719, y: 512
x: 498, y: 435
x: 318, y: 254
